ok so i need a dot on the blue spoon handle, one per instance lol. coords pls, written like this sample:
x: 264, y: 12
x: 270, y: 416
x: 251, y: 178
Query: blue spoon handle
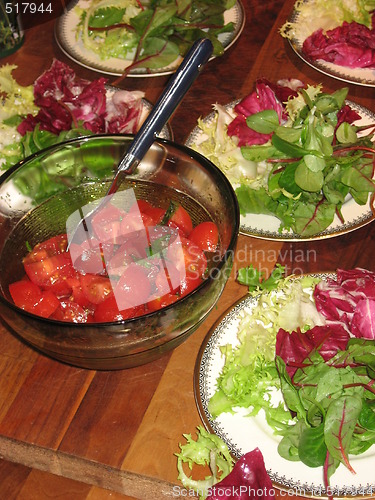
x: 169, y: 100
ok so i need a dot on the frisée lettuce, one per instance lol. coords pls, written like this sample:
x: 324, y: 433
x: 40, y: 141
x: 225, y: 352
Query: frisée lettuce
x: 249, y: 374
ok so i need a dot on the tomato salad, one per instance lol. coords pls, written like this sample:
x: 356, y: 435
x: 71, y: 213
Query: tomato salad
x: 133, y: 263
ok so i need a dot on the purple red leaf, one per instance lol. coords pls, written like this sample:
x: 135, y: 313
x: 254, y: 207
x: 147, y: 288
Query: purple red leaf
x: 248, y: 480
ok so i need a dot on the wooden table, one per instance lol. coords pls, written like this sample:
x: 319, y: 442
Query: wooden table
x: 70, y: 433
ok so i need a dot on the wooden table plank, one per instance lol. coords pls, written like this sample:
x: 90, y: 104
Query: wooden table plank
x: 108, y: 418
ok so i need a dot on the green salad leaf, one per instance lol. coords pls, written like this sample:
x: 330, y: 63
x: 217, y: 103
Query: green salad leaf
x: 153, y: 34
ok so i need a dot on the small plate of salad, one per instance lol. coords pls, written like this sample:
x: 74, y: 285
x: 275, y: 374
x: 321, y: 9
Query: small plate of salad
x: 299, y: 159
x: 335, y: 38
x: 290, y: 369
x: 130, y: 38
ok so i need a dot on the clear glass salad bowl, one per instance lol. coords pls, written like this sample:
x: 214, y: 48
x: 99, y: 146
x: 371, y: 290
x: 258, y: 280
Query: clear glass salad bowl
x: 40, y: 193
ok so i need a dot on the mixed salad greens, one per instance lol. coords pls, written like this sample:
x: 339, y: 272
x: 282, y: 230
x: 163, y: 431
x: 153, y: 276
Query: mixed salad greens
x: 57, y: 107
x: 150, y: 33
x: 292, y: 151
x: 313, y: 339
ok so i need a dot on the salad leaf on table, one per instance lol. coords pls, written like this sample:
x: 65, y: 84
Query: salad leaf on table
x: 304, y: 156
x: 151, y: 34
x: 242, y: 480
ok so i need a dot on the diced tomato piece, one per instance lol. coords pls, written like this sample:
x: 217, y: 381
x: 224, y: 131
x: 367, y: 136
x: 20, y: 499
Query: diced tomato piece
x: 191, y: 262
x: 47, y: 305
x: 106, y: 224
x: 182, y: 220
x: 141, y: 206
x: 206, y: 236
x: 133, y: 288
x: 77, y: 294
x: 131, y: 224
x: 96, y: 288
x: 156, y: 215
x: 151, y: 215
x: 52, y: 246
x: 25, y: 294
x: 90, y: 255
x: 71, y: 312
x: 31, y: 298
x: 108, y: 311
x: 168, y: 279
x: 52, y: 273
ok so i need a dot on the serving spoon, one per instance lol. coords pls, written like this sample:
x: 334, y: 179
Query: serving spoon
x: 167, y: 103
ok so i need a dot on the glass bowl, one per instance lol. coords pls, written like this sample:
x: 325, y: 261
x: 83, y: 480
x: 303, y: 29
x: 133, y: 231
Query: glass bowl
x: 40, y: 193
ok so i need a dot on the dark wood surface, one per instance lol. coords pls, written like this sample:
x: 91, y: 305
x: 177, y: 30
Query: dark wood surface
x: 77, y: 434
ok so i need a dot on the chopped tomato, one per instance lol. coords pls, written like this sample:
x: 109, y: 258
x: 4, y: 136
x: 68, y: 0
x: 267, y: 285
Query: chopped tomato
x: 51, y: 272
x: 90, y: 256
x: 95, y: 288
x: 132, y: 265
x: 47, y: 304
x: 133, y: 288
x: 206, y: 236
x: 156, y: 215
x: 150, y: 214
x: 71, y: 312
x: 108, y: 311
x: 133, y: 223
x: 53, y: 246
x: 77, y: 294
x: 25, y: 294
x: 182, y: 220
x: 31, y: 298
x: 141, y: 206
x: 106, y: 224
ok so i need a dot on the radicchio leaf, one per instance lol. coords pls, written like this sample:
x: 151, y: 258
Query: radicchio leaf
x: 248, y: 480
x: 350, y: 301
x: 334, y: 302
x: 351, y: 45
x: 261, y: 99
x: 357, y: 281
x: 296, y: 346
x: 65, y: 101
x: 363, y: 321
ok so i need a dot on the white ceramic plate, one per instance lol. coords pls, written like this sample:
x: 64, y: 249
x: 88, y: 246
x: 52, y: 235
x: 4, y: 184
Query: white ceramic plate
x: 267, y: 226
x: 360, y: 76
x: 65, y: 34
x: 242, y: 433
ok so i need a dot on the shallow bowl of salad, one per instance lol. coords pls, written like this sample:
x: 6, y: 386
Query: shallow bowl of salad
x: 140, y: 277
